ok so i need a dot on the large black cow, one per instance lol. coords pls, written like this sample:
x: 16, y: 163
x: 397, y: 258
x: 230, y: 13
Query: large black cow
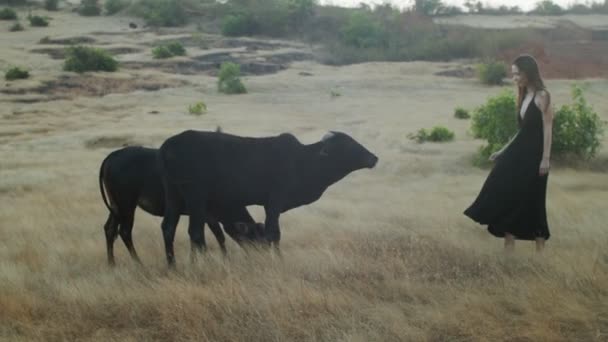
x: 131, y: 179
x: 278, y: 173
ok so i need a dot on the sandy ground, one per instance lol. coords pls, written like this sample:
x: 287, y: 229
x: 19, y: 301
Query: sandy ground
x: 385, y: 254
x: 518, y: 21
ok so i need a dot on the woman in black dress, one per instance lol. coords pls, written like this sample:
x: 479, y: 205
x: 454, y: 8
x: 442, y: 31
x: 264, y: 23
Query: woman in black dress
x: 512, y: 199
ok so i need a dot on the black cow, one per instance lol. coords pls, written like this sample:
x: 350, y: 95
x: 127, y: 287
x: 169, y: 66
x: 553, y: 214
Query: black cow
x: 131, y: 179
x: 278, y: 173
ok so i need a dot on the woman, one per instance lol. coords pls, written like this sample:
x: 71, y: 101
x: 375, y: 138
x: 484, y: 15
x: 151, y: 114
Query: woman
x: 512, y: 199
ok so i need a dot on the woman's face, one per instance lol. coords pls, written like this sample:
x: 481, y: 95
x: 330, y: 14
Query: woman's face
x: 519, y: 78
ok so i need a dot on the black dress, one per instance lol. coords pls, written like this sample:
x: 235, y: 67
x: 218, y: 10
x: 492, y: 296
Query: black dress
x: 512, y: 199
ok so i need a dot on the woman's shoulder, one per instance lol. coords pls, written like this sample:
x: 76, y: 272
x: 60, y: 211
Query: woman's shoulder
x: 543, y: 99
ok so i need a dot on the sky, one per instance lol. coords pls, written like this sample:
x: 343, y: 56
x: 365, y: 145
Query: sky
x: 523, y: 4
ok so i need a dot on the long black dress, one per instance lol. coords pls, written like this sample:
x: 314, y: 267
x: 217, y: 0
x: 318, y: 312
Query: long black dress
x: 512, y: 199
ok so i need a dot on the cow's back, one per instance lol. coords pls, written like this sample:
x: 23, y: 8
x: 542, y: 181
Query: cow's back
x: 233, y: 169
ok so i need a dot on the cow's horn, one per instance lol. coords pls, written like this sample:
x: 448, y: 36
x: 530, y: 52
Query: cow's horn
x: 327, y: 136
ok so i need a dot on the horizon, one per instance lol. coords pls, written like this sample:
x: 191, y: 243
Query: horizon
x: 523, y: 4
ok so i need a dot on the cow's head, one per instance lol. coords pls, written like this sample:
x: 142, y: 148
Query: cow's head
x: 250, y: 232
x: 347, y: 152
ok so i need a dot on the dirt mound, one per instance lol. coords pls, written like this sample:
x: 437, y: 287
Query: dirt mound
x: 209, y: 64
x: 60, y: 53
x: 110, y: 141
x: 68, y: 40
x: 68, y: 86
x: 465, y: 72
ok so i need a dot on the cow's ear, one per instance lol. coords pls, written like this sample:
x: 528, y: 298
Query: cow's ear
x: 324, y: 152
x: 241, y: 228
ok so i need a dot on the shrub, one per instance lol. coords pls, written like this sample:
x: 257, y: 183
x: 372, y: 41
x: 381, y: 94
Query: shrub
x: 461, y: 113
x: 16, y: 27
x: 161, y: 52
x: 577, y: 129
x: 547, y: 7
x: 161, y: 13
x: 492, y: 73
x: 495, y: 122
x: 169, y: 50
x: 239, y: 25
x: 82, y: 58
x: 16, y: 73
x: 89, y: 8
x: 436, y: 134
x: 8, y: 14
x: 198, y: 108
x: 176, y: 48
x: 51, y: 5
x: 229, y: 79
x: 115, y: 6
x: 362, y: 31
x: 38, y: 21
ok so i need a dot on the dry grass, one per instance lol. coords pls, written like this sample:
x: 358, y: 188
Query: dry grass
x: 385, y: 255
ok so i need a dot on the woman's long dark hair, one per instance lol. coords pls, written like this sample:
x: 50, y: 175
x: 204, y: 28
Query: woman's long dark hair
x: 528, y: 66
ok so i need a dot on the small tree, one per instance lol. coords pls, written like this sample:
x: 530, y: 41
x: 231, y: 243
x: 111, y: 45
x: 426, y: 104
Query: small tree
x: 577, y: 129
x: 82, y: 58
x: 229, y: 81
x: 547, y: 7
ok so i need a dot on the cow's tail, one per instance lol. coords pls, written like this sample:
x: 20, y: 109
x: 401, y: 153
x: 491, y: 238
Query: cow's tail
x: 102, y: 187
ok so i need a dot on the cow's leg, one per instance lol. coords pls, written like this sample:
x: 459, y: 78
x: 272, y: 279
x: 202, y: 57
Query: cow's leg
x: 218, y: 232
x: 170, y: 221
x: 196, y: 204
x: 111, y: 230
x: 273, y: 231
x: 126, y: 226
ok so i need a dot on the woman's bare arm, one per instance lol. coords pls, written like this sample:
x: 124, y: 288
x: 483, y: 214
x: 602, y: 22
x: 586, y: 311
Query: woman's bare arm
x: 543, y: 101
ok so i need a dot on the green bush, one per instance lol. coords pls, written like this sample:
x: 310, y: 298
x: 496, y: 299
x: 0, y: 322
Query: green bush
x: 362, y: 31
x: 461, y: 113
x: 115, y: 6
x: 229, y: 81
x: 16, y: 73
x: 239, y: 25
x: 8, y: 14
x: 51, y: 5
x: 436, y: 134
x: 38, y: 21
x: 198, y: 108
x: 89, y: 8
x: 82, y: 58
x: 16, y: 27
x: 577, y: 129
x: 169, y: 50
x: 161, y: 52
x: 495, y: 122
x: 176, y: 48
x: 547, y: 7
x: 161, y: 13
x: 491, y: 73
